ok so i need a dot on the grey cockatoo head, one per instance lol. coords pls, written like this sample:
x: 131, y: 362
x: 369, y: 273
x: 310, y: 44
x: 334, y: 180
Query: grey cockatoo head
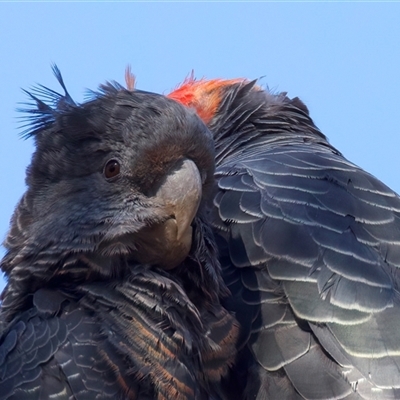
x: 121, y: 176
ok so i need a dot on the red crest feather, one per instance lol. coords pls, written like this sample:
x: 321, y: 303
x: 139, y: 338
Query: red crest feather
x: 203, y: 95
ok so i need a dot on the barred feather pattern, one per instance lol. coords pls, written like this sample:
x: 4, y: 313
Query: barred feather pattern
x: 143, y: 336
x: 310, y: 249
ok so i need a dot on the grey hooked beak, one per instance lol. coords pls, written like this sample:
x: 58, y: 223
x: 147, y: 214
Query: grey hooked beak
x: 167, y: 244
x: 181, y: 193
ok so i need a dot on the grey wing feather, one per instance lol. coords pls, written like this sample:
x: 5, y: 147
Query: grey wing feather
x: 58, y: 353
x: 316, y: 241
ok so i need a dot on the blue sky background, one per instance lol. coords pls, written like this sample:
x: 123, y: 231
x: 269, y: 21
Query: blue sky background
x: 341, y: 59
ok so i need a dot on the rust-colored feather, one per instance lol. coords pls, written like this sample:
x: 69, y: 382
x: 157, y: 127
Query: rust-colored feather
x: 130, y: 79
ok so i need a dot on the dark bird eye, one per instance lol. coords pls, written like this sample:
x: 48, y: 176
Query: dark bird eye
x: 112, y: 169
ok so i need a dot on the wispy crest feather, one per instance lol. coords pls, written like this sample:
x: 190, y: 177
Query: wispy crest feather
x: 46, y: 105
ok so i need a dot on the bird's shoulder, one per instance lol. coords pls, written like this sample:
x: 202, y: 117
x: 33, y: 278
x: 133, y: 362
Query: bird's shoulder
x: 311, y: 253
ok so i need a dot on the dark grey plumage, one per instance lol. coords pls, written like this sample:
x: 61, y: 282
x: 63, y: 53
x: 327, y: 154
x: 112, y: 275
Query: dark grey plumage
x: 113, y: 281
x: 98, y: 304
x: 310, y: 248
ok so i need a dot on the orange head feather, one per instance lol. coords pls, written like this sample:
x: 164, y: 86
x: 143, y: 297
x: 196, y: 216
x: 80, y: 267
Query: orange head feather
x: 203, y: 95
x: 130, y: 79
